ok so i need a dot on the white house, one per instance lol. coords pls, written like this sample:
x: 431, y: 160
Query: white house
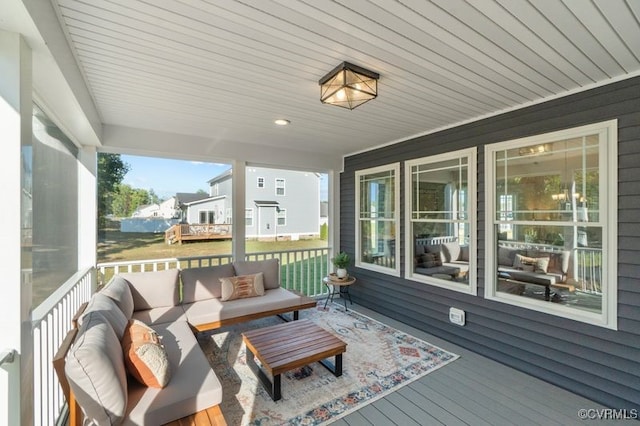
x: 167, y: 209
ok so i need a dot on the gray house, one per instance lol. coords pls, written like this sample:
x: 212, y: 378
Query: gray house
x: 280, y: 204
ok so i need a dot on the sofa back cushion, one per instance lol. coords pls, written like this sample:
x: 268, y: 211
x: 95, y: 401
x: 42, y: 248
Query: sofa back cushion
x: 95, y: 370
x: 558, y: 261
x: 109, y: 310
x: 451, y: 251
x: 118, y: 290
x: 203, y: 283
x: 270, y: 268
x: 153, y: 289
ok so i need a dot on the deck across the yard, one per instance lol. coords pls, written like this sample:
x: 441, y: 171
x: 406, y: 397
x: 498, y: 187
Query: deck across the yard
x: 473, y: 390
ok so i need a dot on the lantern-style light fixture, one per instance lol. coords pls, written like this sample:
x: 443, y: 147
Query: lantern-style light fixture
x: 348, y: 86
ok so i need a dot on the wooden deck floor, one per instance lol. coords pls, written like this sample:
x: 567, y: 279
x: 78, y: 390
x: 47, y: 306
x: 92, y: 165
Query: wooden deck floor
x: 473, y: 390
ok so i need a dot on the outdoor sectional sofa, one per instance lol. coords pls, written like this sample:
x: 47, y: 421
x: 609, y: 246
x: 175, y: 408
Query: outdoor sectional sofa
x: 518, y: 267
x: 442, y: 258
x: 91, y: 364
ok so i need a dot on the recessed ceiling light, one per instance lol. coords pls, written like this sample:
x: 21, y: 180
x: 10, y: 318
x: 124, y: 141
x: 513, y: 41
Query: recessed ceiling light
x: 282, y: 122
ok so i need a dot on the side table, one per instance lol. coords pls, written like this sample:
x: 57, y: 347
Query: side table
x: 342, y: 289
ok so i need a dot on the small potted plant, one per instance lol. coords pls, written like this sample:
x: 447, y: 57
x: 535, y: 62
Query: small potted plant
x: 341, y: 261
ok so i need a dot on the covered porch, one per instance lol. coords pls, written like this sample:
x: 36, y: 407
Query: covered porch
x: 207, y: 81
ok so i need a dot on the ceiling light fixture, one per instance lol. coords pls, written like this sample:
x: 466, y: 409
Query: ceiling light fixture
x: 348, y: 86
x: 282, y: 122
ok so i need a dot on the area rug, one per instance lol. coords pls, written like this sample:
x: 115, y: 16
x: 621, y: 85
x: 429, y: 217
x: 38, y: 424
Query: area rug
x: 379, y: 360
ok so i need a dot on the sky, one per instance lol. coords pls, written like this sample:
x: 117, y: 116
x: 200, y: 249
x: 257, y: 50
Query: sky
x: 167, y: 177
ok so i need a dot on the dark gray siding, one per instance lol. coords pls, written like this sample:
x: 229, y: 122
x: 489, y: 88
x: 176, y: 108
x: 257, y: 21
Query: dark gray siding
x: 601, y: 364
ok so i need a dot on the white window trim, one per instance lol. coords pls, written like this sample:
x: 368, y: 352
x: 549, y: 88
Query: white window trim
x: 395, y: 167
x: 608, y: 152
x: 250, y: 216
x: 284, y: 185
x: 259, y: 181
x: 284, y: 216
x: 472, y: 181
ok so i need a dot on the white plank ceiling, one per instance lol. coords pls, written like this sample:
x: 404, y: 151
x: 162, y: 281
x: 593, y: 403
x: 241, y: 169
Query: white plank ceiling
x: 225, y: 70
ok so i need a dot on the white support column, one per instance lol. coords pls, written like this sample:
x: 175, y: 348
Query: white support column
x: 87, y: 208
x: 238, y: 204
x: 16, y: 389
x: 334, y: 213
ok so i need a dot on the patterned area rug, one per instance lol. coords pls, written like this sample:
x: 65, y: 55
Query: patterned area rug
x: 379, y: 359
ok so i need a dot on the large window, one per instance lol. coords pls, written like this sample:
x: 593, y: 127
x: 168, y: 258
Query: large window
x: 440, y: 223
x: 551, y: 223
x: 377, y: 220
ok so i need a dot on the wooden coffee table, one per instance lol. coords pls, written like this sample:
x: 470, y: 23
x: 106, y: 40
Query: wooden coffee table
x: 294, y: 344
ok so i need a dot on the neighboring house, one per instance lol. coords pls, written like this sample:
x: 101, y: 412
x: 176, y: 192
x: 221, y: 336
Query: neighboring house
x: 147, y: 211
x: 167, y: 209
x: 182, y: 201
x: 280, y: 204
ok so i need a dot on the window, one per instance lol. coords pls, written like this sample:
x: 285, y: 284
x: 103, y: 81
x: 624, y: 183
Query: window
x: 50, y: 210
x: 279, y: 186
x: 282, y: 217
x: 377, y: 220
x: 551, y: 223
x: 260, y: 182
x: 248, y: 217
x: 440, y: 221
x: 207, y: 217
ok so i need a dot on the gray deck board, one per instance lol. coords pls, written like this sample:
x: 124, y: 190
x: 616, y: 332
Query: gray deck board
x: 472, y: 390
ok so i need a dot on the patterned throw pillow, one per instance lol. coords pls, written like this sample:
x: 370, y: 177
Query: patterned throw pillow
x: 242, y: 286
x: 144, y: 356
x: 531, y: 264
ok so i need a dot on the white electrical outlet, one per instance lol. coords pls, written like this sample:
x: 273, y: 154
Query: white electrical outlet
x: 456, y: 316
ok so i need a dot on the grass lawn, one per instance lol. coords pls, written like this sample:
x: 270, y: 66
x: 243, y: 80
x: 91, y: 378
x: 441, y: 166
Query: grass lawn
x: 123, y: 246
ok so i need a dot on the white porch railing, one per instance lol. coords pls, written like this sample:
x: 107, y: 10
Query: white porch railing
x: 300, y: 270
x: 51, y: 322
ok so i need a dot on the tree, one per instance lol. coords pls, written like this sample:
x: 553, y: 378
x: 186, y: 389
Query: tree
x: 111, y: 172
x: 127, y: 199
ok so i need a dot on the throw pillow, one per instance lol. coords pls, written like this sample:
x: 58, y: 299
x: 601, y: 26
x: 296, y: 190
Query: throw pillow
x: 431, y: 260
x: 145, y: 358
x: 524, y: 263
x: 531, y: 264
x: 542, y: 265
x: 242, y: 286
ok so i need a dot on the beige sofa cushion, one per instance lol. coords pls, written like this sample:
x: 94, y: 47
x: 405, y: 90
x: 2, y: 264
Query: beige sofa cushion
x: 109, y: 310
x: 203, y: 283
x: 118, y: 289
x: 153, y: 289
x: 160, y: 315
x: 193, y: 386
x: 270, y: 268
x: 96, y: 373
x: 213, y: 310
